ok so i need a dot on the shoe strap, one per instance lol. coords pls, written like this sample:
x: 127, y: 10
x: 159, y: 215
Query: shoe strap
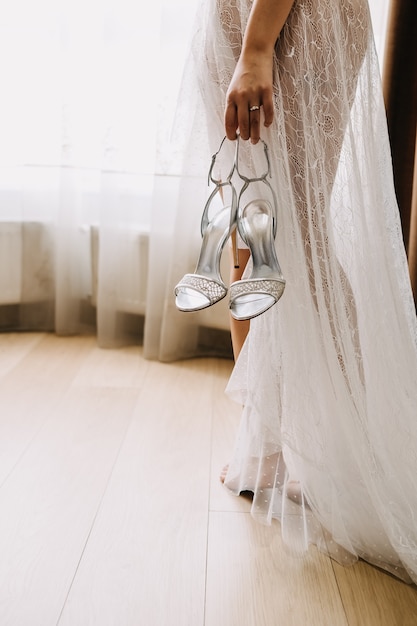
x: 264, y: 176
x: 262, y: 179
x: 219, y: 184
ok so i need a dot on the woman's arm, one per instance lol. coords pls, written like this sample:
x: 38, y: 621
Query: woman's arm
x: 251, y: 84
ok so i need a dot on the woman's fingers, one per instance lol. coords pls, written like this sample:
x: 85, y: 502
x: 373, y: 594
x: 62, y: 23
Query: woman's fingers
x: 244, y: 118
x: 244, y: 122
x: 246, y: 115
x: 268, y: 110
x: 254, y: 122
x: 231, y: 120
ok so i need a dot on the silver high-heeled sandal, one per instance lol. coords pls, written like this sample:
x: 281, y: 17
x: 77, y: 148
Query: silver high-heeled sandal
x: 257, y: 225
x: 206, y: 287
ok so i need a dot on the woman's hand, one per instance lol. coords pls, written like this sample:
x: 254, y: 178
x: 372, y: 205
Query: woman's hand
x: 250, y: 87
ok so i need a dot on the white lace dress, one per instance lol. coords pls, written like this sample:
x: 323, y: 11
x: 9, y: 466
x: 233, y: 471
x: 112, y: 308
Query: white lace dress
x: 328, y: 376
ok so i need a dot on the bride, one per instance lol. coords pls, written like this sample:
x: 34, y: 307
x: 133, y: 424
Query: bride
x: 327, y: 376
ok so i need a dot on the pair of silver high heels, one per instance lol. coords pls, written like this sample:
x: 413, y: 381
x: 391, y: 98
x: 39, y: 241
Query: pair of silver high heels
x: 256, y: 223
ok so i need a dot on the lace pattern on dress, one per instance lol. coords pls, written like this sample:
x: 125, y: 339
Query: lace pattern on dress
x: 327, y: 377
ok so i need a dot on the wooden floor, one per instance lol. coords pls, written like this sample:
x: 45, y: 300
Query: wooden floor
x: 112, y: 514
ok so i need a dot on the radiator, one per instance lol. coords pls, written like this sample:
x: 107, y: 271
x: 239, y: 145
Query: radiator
x: 26, y: 269
x: 27, y: 275
x: 10, y: 263
x: 133, y: 267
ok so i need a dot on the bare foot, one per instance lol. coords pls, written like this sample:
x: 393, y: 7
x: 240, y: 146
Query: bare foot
x: 293, y: 489
x: 223, y: 474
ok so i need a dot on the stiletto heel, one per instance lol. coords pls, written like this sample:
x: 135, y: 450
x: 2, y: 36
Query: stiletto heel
x: 206, y: 287
x: 257, y: 224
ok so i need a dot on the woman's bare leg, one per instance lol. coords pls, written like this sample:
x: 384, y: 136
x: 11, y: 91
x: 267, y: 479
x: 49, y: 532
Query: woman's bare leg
x: 238, y: 329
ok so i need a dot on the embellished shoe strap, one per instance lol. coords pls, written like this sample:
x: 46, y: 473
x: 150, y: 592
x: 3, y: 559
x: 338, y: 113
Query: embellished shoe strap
x: 263, y: 286
x: 209, y: 287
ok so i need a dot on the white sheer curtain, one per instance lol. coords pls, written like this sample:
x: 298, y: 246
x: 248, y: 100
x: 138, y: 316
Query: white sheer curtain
x: 89, y: 175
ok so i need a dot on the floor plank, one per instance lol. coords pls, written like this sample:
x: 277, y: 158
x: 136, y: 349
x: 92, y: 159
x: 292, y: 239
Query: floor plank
x: 146, y: 557
x: 50, y: 500
x: 112, y: 368
x: 371, y: 597
x: 15, y: 346
x: 33, y: 388
x: 251, y: 580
